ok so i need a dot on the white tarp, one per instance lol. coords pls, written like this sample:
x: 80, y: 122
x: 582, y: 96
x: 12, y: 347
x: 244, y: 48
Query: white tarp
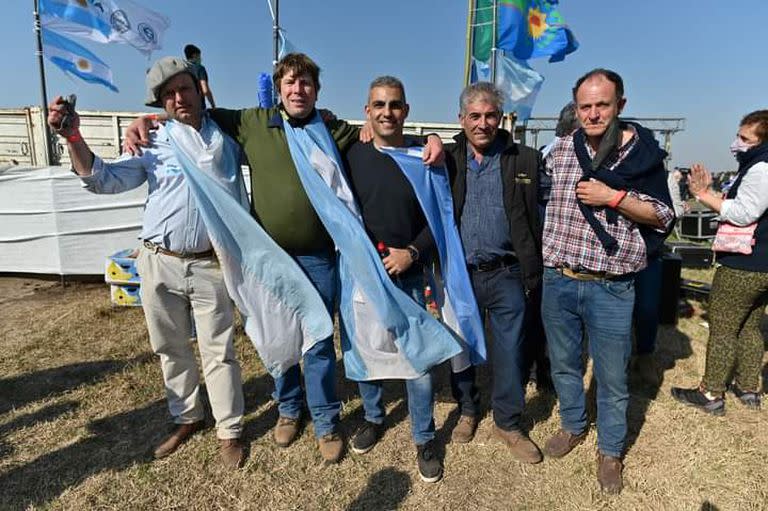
x: 50, y: 224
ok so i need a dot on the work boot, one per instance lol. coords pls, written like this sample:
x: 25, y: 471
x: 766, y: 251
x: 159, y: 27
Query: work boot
x: 562, y: 442
x: 464, y: 431
x: 609, y: 473
x: 179, y: 435
x: 286, y: 430
x: 519, y: 445
x: 331, y: 447
x: 232, y: 452
x: 701, y: 399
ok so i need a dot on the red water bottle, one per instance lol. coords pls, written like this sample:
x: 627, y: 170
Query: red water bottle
x: 382, y: 249
x: 429, y: 301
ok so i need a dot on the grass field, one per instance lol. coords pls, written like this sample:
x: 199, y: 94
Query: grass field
x: 82, y: 405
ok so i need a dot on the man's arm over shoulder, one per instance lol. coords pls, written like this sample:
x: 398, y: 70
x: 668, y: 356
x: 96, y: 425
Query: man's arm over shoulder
x: 343, y: 133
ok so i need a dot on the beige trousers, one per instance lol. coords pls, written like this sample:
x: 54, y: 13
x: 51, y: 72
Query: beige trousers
x: 170, y: 286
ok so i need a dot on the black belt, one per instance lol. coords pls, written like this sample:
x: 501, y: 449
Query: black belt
x: 495, y: 264
x: 157, y: 249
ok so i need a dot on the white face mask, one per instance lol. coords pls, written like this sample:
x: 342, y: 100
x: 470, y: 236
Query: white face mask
x: 739, y: 146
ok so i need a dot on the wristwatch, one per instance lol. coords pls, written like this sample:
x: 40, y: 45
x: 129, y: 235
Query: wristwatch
x: 413, y: 252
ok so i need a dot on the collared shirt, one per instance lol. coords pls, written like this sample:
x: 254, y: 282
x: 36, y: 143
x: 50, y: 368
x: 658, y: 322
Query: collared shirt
x: 171, y: 217
x: 751, y: 200
x: 569, y: 240
x: 484, y: 223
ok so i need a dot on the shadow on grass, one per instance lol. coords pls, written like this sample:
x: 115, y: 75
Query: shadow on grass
x: 671, y: 346
x: 113, y: 443
x: 46, y: 414
x: 386, y: 489
x: 27, y: 388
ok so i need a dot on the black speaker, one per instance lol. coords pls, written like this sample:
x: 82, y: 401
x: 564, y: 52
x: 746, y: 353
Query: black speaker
x: 699, y: 225
x: 670, y: 288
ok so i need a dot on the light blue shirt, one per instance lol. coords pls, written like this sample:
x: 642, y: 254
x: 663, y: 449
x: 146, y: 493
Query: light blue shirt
x: 171, y: 217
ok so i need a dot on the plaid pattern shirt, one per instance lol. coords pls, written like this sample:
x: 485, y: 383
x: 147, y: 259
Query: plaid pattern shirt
x: 569, y: 240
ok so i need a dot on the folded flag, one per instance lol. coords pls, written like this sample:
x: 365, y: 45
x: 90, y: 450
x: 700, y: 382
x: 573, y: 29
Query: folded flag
x: 72, y: 58
x: 106, y: 21
x: 534, y: 28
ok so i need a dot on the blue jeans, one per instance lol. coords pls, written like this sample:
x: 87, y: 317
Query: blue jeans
x: 603, y: 310
x: 500, y: 293
x: 421, y: 398
x: 647, y: 297
x: 319, y: 361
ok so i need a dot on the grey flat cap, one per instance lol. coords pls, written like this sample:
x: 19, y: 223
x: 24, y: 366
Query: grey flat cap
x: 162, y: 71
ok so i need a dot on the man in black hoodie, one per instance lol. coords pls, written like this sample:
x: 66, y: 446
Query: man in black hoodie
x: 494, y: 183
x: 609, y: 207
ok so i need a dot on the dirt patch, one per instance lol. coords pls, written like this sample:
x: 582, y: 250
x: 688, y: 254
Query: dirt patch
x: 13, y: 288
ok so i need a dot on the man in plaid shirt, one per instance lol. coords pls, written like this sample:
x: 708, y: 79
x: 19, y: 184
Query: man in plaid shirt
x: 609, y: 204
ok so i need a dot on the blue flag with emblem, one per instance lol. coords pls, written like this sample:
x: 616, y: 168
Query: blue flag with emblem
x: 72, y: 58
x: 106, y: 21
x: 534, y: 28
x: 457, y: 299
x: 385, y: 333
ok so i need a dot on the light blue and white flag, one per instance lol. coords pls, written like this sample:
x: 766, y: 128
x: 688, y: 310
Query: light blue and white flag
x: 72, y: 58
x: 283, y: 313
x: 519, y: 83
x: 454, y: 295
x: 106, y: 21
x: 385, y: 333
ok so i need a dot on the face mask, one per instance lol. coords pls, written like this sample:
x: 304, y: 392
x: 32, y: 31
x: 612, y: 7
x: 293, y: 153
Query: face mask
x: 738, y: 146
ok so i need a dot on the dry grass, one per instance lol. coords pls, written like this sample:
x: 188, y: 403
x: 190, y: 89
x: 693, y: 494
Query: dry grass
x: 82, y: 404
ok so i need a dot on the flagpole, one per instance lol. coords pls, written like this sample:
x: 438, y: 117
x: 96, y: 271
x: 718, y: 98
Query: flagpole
x: 43, y: 91
x: 493, y: 45
x: 275, y: 33
x: 471, y: 20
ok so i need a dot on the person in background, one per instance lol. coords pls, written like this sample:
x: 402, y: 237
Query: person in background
x: 740, y: 287
x: 195, y: 60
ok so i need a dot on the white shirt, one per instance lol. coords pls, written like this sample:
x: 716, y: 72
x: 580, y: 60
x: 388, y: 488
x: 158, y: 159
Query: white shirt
x: 751, y: 200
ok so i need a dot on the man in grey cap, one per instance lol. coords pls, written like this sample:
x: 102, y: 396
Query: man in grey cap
x: 179, y: 270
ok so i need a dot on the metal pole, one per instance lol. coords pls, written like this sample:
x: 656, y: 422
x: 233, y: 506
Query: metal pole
x: 471, y: 20
x: 493, y: 47
x: 43, y: 91
x: 276, y: 33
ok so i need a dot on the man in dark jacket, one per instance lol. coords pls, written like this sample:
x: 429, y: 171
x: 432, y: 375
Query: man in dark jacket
x: 494, y: 183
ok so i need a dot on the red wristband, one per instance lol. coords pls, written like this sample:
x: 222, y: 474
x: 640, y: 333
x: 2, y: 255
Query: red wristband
x: 74, y: 137
x: 617, y: 198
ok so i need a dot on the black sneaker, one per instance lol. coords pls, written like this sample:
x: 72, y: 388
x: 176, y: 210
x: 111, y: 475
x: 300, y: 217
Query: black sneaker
x: 749, y: 398
x: 699, y: 399
x: 366, y: 437
x: 430, y: 467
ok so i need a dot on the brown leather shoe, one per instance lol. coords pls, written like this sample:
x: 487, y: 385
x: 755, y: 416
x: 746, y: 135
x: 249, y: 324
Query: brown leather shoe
x: 286, y: 430
x: 179, y: 435
x: 609, y: 473
x: 519, y: 445
x: 232, y: 452
x: 465, y: 429
x: 562, y: 443
x: 331, y: 447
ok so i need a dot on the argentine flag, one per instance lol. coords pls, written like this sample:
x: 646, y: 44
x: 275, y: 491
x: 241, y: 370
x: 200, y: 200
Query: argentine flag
x: 106, y: 21
x: 72, y: 58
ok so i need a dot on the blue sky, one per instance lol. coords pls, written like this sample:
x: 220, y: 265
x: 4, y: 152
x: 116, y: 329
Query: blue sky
x: 701, y: 60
